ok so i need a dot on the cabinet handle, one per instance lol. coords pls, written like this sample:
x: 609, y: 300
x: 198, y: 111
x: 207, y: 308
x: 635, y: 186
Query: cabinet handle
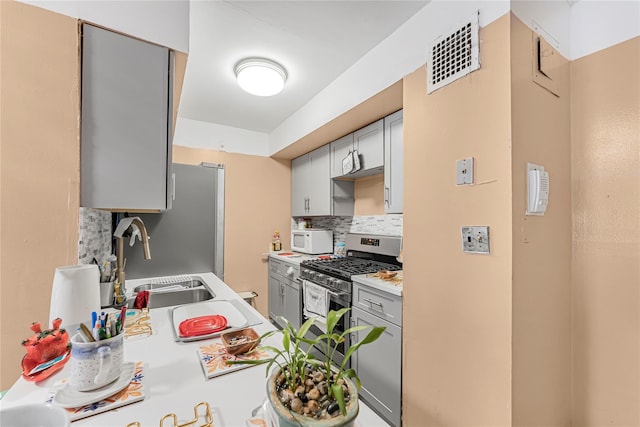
x: 386, y: 195
x: 372, y: 302
x: 173, y: 186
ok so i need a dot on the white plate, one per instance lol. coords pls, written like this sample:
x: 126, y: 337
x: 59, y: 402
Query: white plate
x: 70, y: 398
x: 235, y: 319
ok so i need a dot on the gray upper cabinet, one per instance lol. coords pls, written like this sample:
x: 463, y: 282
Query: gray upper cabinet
x: 369, y: 141
x: 393, y: 163
x: 313, y: 192
x: 126, y: 109
x: 340, y: 148
x: 369, y: 144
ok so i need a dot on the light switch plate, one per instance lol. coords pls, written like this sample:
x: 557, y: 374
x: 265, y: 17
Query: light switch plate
x: 464, y: 171
x: 475, y: 240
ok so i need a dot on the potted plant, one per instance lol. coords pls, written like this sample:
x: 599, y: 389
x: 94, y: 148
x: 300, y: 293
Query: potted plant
x: 307, y: 391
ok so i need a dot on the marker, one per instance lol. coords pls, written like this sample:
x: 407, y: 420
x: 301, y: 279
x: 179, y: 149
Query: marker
x: 96, y: 330
x: 123, y: 316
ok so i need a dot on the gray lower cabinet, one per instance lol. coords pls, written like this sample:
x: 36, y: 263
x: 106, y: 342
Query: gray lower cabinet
x: 284, y: 293
x: 127, y: 111
x: 379, y: 364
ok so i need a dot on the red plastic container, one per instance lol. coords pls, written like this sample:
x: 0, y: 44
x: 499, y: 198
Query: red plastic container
x: 202, y: 325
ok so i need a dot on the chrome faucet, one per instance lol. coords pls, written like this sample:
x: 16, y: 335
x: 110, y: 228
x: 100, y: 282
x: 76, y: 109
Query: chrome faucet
x: 123, y: 225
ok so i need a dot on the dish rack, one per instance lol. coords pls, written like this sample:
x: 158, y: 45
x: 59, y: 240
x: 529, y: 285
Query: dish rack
x: 206, y: 415
x: 170, y: 283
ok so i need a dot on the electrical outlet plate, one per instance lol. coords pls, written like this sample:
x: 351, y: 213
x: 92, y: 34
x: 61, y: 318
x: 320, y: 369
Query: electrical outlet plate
x: 475, y: 240
x: 464, y: 171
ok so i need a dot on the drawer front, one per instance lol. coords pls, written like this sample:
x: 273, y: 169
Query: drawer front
x: 277, y: 267
x: 384, y: 305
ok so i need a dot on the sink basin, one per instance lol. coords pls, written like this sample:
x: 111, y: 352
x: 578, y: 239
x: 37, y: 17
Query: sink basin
x: 172, y: 294
x: 186, y: 284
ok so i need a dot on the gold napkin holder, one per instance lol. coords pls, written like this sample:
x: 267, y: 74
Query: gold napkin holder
x: 208, y: 418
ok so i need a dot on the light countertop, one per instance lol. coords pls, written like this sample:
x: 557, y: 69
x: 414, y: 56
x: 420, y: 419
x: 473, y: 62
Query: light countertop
x: 174, y: 381
x: 294, y: 258
x: 391, y: 286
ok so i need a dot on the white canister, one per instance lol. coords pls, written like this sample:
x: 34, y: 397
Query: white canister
x: 75, y: 294
x: 302, y: 224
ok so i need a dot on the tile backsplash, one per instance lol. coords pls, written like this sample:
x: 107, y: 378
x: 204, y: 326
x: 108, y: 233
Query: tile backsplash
x: 94, y: 239
x: 386, y: 225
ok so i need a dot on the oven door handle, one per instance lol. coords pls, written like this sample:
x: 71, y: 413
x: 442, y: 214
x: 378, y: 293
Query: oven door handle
x: 337, y: 294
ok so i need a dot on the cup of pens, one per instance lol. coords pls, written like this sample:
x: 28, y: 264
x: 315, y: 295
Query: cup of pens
x: 97, y: 352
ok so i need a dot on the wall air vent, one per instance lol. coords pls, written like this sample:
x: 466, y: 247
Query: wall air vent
x: 454, y: 55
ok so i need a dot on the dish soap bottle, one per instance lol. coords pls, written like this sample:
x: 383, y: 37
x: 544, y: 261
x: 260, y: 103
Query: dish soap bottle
x: 276, y: 245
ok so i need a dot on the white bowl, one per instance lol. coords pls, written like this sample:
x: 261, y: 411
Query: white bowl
x: 34, y: 415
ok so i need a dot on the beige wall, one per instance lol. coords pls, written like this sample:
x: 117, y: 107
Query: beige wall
x: 605, y: 113
x: 257, y: 201
x: 457, y: 307
x: 541, y: 311
x: 39, y: 169
x: 369, y: 195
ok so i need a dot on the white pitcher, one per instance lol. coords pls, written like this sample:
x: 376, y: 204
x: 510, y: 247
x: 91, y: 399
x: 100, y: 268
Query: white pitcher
x: 75, y: 294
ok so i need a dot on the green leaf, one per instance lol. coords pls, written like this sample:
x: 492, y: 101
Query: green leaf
x: 268, y: 334
x: 350, y: 373
x: 354, y: 329
x: 286, y: 340
x: 339, y: 396
x: 333, y: 317
x: 247, y: 362
x: 305, y: 327
x: 373, y: 335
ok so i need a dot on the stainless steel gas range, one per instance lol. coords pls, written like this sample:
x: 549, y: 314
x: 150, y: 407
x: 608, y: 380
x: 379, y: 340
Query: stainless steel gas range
x: 365, y: 253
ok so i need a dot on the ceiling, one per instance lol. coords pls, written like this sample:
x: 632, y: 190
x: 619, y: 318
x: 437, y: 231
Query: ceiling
x: 315, y: 41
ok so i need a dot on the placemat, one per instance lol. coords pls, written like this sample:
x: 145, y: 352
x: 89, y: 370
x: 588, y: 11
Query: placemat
x: 133, y: 393
x: 213, y: 358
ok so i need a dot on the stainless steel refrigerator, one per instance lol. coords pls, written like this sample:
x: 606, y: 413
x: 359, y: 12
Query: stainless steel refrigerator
x: 188, y: 238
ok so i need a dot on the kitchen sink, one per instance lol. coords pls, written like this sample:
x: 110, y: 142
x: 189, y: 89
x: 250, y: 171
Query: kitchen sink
x: 172, y: 294
x: 165, y: 287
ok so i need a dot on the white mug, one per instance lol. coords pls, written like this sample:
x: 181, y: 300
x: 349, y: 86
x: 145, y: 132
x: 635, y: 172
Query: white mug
x: 95, y: 364
x: 75, y: 294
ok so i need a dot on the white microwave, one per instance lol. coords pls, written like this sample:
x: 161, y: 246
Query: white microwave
x: 312, y: 241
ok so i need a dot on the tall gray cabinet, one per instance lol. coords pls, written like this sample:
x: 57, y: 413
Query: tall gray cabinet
x: 127, y: 111
x: 393, y: 163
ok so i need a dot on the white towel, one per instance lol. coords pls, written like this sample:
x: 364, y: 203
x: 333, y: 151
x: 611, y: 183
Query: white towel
x: 316, y: 303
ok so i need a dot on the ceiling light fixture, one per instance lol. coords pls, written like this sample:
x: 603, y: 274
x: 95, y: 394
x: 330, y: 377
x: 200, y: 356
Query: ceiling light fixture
x: 261, y: 77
